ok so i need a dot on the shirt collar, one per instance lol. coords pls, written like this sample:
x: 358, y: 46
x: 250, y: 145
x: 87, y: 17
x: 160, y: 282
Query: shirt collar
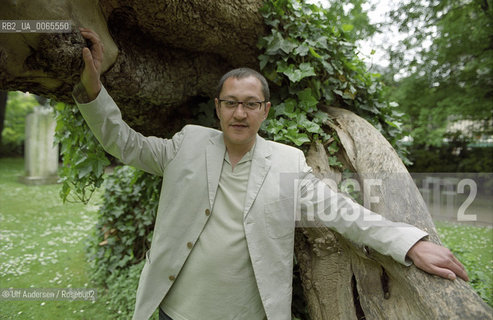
x: 246, y: 157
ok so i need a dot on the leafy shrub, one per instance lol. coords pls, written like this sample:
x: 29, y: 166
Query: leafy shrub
x: 122, y: 289
x: 126, y: 220
x: 122, y: 235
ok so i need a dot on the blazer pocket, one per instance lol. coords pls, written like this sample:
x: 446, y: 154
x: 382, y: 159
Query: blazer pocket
x: 279, y: 218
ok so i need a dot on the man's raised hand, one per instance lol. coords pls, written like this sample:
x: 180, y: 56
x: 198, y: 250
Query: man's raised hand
x: 93, y: 60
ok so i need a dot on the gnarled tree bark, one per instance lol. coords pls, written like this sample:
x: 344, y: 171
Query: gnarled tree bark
x: 163, y: 57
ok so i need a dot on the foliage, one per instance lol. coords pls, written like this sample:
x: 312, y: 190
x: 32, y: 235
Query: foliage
x: 472, y: 246
x: 312, y: 62
x: 84, y: 159
x: 352, y: 18
x: 125, y: 223
x: 444, y: 65
x: 19, y: 105
x: 122, y: 290
x: 455, y: 156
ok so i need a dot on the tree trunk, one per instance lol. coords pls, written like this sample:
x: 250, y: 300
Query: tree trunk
x: 162, y: 58
x: 344, y: 281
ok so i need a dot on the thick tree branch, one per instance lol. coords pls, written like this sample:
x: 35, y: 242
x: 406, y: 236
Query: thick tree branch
x: 160, y: 58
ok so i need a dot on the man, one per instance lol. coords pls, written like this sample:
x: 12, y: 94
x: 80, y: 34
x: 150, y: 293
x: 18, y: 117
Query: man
x: 223, y: 239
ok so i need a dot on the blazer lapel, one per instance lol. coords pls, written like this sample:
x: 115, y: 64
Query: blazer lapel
x: 214, y: 162
x: 260, y: 167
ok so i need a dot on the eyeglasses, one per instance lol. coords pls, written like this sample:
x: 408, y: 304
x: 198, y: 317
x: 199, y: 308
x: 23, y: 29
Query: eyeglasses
x: 248, y: 105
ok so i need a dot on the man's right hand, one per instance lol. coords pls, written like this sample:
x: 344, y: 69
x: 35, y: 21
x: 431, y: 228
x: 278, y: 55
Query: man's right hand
x: 436, y: 260
x: 93, y: 60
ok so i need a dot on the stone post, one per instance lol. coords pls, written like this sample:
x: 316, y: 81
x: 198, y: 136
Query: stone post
x: 40, y: 153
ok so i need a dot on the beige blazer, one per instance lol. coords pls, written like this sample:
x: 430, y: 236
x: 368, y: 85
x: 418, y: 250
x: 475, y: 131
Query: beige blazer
x: 281, y: 193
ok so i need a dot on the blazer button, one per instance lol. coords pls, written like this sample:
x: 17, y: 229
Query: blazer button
x: 171, y: 278
x: 189, y: 245
x: 207, y: 212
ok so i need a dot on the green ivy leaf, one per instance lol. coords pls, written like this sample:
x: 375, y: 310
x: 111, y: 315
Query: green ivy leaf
x: 333, y: 148
x: 263, y: 60
x: 84, y: 171
x: 306, y: 99
x: 321, y: 117
x: 299, y: 139
x: 301, y: 50
x: 294, y: 74
x: 307, y: 69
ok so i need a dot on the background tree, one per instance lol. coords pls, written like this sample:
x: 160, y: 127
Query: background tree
x: 160, y: 69
x: 442, y: 70
x: 3, y: 106
x: 352, y: 16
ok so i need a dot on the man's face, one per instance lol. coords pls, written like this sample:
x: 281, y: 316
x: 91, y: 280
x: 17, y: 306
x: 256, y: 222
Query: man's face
x: 240, y: 125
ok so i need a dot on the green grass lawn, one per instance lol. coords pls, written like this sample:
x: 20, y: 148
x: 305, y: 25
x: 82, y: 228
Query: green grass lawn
x: 473, y: 246
x: 42, y: 245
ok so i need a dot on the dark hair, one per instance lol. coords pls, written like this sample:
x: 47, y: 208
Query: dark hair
x: 242, y: 73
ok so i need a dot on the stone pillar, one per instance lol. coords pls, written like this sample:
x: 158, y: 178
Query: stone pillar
x: 40, y: 154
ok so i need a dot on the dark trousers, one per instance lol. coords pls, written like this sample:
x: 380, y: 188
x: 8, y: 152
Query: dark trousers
x: 162, y: 315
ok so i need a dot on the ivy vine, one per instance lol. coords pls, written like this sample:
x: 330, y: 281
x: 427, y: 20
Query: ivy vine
x: 312, y: 62
x: 84, y: 159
